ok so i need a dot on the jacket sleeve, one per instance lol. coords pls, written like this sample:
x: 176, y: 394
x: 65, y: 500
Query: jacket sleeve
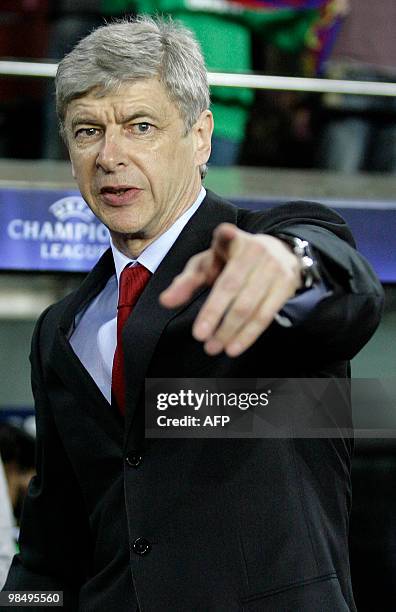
x: 345, y: 320
x: 54, y: 537
x: 341, y: 323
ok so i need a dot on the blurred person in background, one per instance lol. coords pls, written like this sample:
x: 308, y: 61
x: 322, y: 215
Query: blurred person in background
x: 229, y: 33
x: 7, y: 542
x: 23, y: 35
x: 295, y: 41
x: 17, y: 453
x: 358, y: 133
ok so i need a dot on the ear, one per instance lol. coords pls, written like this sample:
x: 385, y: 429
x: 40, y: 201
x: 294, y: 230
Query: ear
x: 202, y: 132
x: 72, y: 168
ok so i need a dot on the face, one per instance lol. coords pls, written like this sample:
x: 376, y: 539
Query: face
x: 133, y: 162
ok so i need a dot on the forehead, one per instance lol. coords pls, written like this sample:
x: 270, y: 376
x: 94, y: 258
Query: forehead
x: 144, y: 97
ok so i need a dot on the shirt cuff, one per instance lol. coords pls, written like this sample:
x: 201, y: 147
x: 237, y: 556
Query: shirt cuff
x: 298, y: 308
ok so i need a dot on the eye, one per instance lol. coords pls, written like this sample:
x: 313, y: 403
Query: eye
x: 84, y: 133
x: 141, y: 128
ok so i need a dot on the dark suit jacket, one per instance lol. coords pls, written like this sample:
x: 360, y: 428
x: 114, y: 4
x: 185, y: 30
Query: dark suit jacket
x: 233, y: 525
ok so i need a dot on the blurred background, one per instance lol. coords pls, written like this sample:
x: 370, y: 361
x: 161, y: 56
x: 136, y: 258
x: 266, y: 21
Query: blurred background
x: 278, y: 140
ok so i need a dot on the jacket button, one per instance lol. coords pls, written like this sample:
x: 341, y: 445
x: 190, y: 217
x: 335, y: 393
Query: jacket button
x: 141, y: 546
x: 134, y: 459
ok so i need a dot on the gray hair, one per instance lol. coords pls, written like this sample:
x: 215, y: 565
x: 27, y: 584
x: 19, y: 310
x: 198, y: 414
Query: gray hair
x: 136, y: 48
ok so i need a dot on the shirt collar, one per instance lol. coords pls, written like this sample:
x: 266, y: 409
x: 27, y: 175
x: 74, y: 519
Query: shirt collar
x: 152, y: 255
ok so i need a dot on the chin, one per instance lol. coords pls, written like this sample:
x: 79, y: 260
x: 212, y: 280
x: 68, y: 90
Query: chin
x: 122, y: 223
x: 128, y: 230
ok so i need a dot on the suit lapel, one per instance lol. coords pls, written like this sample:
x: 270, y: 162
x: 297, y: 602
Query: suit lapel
x: 148, y: 319
x: 66, y: 363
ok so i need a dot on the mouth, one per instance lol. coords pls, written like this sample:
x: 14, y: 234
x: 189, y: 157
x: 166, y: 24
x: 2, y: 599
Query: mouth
x: 117, y: 195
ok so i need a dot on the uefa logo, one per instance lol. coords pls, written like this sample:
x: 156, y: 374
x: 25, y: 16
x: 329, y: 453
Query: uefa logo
x: 71, y: 207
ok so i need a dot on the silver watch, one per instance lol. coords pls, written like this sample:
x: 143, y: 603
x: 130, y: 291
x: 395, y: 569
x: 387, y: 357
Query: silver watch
x: 308, y: 265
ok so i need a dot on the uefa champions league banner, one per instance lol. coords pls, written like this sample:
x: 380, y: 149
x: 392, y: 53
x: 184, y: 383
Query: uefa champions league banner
x: 51, y: 229
x: 48, y: 230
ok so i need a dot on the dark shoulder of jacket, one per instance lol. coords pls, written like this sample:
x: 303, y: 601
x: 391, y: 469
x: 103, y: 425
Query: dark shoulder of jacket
x: 275, y: 219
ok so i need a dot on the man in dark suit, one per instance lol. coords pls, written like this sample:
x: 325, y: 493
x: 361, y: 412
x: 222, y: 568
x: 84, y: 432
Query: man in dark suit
x: 120, y: 522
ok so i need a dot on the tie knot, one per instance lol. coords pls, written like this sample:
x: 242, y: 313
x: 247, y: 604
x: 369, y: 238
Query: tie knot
x: 133, y: 280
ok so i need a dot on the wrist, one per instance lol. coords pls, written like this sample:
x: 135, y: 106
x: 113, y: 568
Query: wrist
x: 309, y: 269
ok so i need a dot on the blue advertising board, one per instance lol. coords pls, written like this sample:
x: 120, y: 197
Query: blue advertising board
x: 48, y: 230
x: 54, y: 230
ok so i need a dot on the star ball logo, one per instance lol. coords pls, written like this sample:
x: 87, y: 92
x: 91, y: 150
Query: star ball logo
x: 71, y: 207
x: 73, y: 234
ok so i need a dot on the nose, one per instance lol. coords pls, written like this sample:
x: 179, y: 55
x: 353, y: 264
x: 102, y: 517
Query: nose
x: 112, y: 153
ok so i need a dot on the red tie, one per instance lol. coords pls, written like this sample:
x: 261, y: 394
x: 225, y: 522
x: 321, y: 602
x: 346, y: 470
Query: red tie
x: 133, y: 280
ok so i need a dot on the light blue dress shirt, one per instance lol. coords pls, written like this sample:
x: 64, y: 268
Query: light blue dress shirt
x: 94, y: 336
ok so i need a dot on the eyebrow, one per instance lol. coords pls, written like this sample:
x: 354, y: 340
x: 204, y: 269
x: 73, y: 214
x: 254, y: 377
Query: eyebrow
x: 138, y: 115
x: 82, y: 120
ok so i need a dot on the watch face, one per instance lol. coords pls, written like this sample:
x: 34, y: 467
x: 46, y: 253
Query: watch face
x: 302, y: 249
